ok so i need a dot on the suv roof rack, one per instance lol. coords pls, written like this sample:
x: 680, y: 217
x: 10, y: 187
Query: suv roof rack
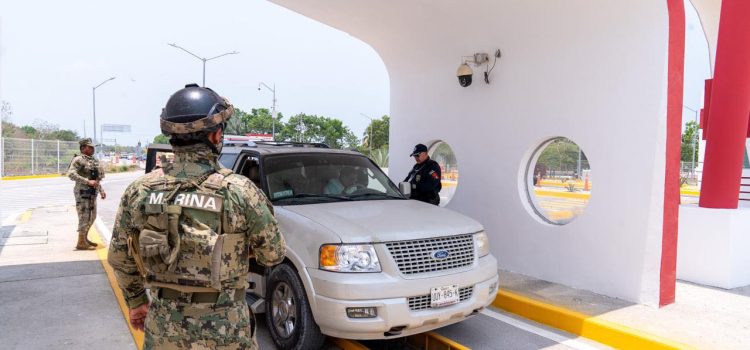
x: 291, y: 144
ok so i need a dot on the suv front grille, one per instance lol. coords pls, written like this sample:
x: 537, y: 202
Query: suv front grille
x: 423, y: 302
x: 414, y: 257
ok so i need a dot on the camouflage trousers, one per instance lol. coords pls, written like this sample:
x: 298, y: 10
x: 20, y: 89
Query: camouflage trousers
x: 178, y: 324
x: 86, y: 208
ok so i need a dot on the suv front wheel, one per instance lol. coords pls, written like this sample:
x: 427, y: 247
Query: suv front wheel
x: 288, y: 315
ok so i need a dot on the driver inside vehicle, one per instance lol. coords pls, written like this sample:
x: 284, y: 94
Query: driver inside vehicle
x: 346, y: 183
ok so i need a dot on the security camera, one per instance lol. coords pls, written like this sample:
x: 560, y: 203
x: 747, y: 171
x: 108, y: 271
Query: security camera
x: 464, y: 74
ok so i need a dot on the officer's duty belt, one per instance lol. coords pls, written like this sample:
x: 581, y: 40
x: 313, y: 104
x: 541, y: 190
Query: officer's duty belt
x: 197, y: 297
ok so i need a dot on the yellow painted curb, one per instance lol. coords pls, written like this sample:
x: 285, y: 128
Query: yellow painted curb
x: 432, y: 341
x: 26, y: 177
x: 690, y: 193
x: 443, y: 341
x: 579, y: 184
x: 592, y: 327
x: 543, y: 193
x: 347, y: 344
x: 25, y: 217
x: 102, y: 251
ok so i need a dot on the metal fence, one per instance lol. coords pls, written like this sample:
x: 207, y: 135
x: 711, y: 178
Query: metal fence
x: 35, y: 157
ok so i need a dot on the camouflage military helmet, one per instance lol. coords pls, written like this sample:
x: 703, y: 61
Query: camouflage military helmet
x: 85, y: 142
x: 194, y: 109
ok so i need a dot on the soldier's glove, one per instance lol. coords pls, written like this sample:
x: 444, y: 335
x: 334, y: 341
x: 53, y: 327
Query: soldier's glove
x: 155, y: 249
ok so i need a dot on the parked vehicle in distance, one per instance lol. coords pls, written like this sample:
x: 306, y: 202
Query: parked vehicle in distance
x: 363, y: 261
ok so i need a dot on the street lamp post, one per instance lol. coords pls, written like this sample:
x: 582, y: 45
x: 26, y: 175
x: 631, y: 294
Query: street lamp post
x: 273, y: 108
x: 301, y: 128
x: 695, y: 137
x: 369, y: 139
x: 93, y: 94
x: 203, y: 59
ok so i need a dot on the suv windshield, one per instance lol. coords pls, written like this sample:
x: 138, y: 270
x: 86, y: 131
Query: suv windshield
x: 325, y: 177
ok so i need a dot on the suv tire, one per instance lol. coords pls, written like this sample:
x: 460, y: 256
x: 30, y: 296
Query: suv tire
x: 288, y: 315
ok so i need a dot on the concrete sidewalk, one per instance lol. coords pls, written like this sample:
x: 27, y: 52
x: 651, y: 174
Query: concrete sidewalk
x: 52, y: 296
x: 702, y: 317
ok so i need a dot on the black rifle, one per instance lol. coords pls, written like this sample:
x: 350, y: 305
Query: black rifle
x: 91, y: 191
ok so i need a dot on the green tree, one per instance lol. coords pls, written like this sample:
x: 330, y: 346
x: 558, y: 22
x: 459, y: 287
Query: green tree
x: 380, y: 156
x: 258, y: 121
x: 64, y: 135
x: 40, y: 130
x: 10, y: 129
x: 236, y: 126
x: 29, y: 131
x: 314, y: 128
x: 562, y: 155
x: 690, y: 139
x: 6, y: 110
x: 161, y: 139
x: 377, y: 132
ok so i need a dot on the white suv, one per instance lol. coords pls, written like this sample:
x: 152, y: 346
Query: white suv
x: 363, y: 262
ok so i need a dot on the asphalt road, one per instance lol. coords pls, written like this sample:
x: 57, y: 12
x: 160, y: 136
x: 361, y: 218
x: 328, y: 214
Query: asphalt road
x: 488, y: 330
x: 18, y: 195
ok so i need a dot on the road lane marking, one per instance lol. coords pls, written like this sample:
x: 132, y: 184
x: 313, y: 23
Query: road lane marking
x: 103, y: 251
x: 26, y: 177
x: 104, y: 233
x: 11, y: 219
x: 25, y: 216
x: 435, y: 341
x: 346, y: 344
x: 570, y: 342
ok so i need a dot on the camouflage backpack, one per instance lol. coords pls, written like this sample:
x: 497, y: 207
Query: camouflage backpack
x: 182, y: 243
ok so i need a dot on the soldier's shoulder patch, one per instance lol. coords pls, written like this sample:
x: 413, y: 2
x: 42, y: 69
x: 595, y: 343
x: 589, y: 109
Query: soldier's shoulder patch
x: 214, y: 181
x: 77, y: 159
x: 237, y: 180
x: 225, y: 171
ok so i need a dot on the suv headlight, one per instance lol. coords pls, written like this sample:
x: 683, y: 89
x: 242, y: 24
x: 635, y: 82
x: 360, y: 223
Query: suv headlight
x: 349, y: 258
x: 482, y: 243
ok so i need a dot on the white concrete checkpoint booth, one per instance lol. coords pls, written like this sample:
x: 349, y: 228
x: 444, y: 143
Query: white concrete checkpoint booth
x: 606, y: 74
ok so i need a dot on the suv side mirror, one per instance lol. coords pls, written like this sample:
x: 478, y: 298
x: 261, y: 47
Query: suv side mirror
x: 405, y: 189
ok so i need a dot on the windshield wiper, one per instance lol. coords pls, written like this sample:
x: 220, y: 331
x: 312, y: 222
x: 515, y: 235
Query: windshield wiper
x: 386, y: 195
x: 313, y: 195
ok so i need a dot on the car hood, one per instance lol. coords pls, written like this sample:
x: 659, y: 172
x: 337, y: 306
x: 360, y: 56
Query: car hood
x: 386, y: 220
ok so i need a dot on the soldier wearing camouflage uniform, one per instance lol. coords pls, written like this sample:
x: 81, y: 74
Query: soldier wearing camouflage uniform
x: 85, y: 171
x: 185, y: 231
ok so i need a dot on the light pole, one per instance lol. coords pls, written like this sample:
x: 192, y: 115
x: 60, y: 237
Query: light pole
x: 273, y: 108
x: 695, y: 137
x: 203, y: 58
x: 369, y: 139
x: 301, y: 128
x: 93, y: 94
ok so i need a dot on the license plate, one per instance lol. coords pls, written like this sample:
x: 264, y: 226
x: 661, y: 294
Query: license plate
x: 444, y: 296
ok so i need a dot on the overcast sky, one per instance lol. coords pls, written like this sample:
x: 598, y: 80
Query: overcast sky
x: 53, y: 52
x: 697, y: 63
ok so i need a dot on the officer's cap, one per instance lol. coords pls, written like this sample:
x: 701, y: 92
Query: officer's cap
x: 86, y: 142
x: 419, y: 148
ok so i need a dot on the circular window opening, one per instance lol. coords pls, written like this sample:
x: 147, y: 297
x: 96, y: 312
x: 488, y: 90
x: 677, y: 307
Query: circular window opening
x: 559, y: 181
x: 443, y: 155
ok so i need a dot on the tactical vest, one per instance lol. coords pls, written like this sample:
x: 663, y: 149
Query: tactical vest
x: 182, y: 244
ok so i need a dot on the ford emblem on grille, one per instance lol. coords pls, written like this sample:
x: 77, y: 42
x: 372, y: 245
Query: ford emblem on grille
x: 440, y: 254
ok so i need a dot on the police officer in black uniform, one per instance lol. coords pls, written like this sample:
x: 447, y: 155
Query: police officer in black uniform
x: 424, y: 177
